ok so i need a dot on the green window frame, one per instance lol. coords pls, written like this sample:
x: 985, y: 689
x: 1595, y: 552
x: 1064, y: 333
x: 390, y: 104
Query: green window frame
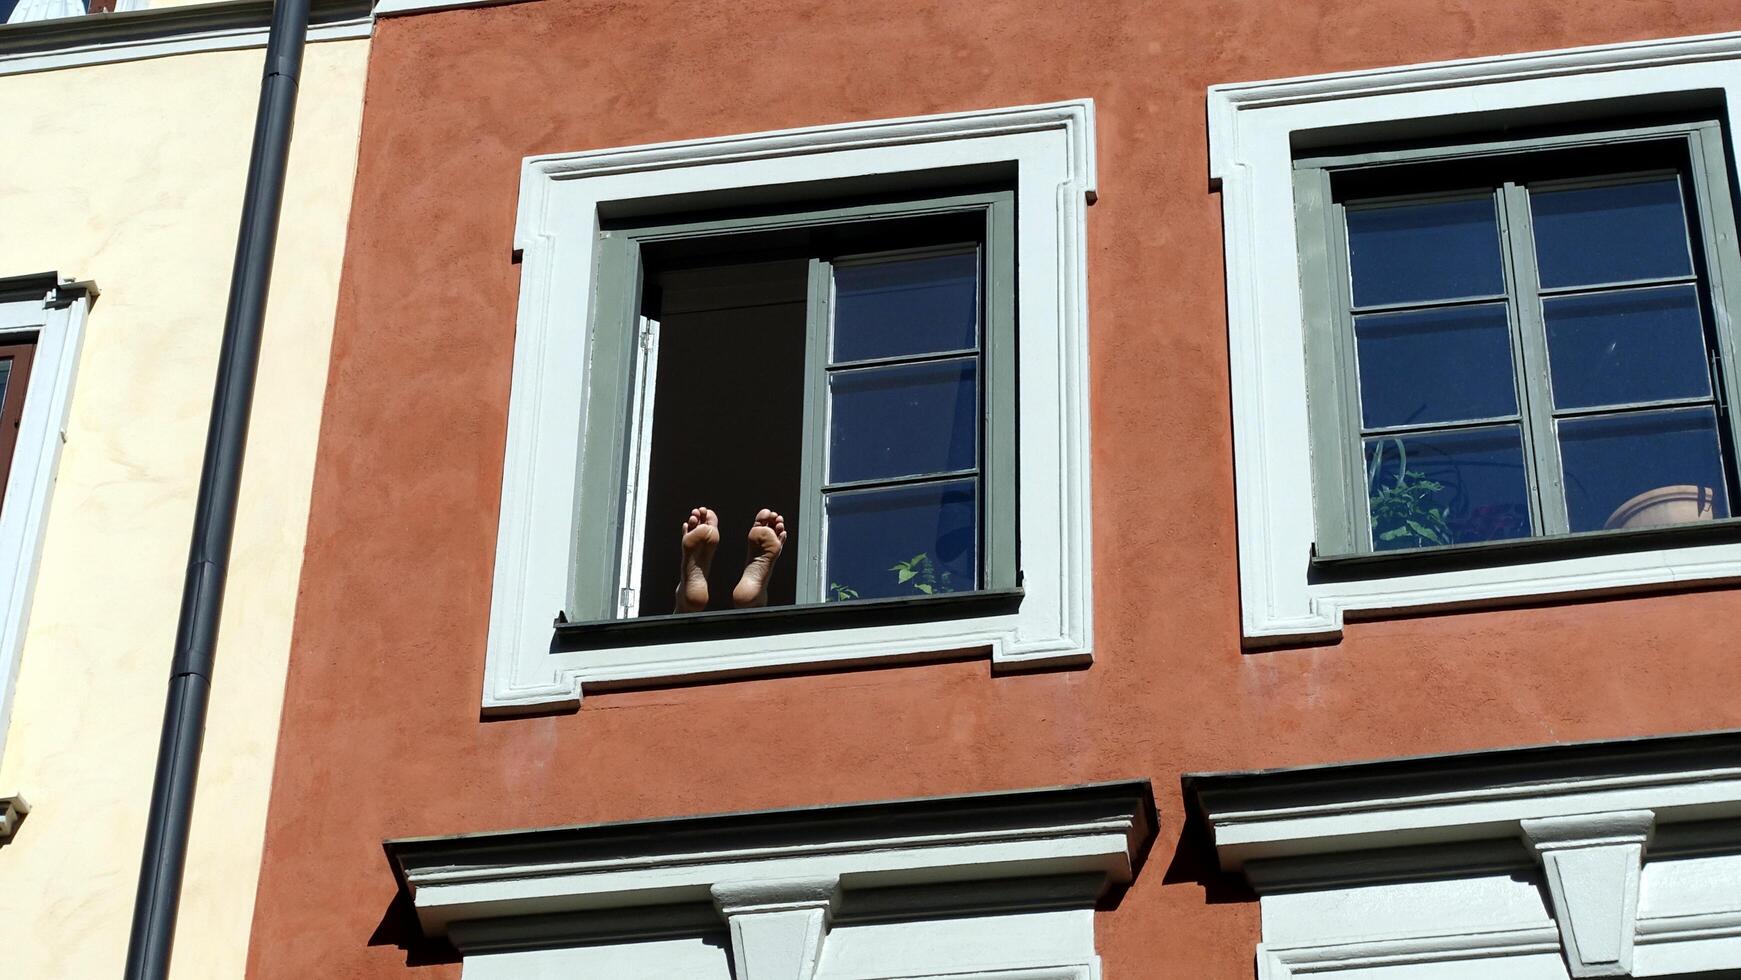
x: 605, y: 534
x: 1511, y: 167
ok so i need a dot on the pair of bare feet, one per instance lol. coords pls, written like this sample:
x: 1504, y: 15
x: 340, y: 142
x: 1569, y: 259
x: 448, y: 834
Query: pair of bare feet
x: 701, y: 537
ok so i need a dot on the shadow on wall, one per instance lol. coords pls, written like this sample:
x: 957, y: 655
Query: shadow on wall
x: 398, y: 927
x: 1194, y: 861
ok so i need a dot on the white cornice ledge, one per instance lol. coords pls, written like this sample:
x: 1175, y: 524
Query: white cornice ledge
x: 1226, y: 101
x: 12, y: 811
x: 1474, y: 797
x: 773, y: 873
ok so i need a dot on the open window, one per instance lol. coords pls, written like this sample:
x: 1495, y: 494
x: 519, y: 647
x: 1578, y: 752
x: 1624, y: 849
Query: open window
x: 839, y: 323
x: 851, y: 368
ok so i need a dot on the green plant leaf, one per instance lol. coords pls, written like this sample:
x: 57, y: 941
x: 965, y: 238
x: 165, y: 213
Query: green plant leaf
x: 904, y: 576
x: 1426, y: 532
x: 922, y: 587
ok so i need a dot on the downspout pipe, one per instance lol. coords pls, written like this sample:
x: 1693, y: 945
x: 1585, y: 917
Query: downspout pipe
x: 214, y: 526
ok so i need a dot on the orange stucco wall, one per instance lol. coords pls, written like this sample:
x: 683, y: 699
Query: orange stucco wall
x: 401, y: 539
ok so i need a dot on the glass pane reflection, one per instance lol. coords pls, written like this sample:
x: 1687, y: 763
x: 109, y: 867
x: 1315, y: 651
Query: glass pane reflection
x: 906, y: 306
x: 1634, y: 345
x: 903, y: 421
x: 1412, y: 252
x: 1443, y: 488
x: 1642, y: 469
x: 1443, y: 365
x: 1613, y: 233
x: 906, y: 541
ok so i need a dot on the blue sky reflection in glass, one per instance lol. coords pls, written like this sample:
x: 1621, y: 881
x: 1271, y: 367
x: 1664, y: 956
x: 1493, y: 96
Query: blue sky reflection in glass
x: 902, y: 483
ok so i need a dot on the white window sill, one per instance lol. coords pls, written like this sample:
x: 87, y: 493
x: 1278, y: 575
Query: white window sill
x: 1049, y: 149
x: 1255, y: 130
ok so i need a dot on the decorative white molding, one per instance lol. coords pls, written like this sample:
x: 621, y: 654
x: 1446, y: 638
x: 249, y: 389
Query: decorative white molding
x: 12, y: 811
x: 55, y: 310
x: 1592, y: 863
x: 1051, y: 149
x: 133, y: 33
x: 399, y: 8
x: 31, y: 10
x: 1090, y: 830
x: 1254, y: 130
x: 777, y: 927
x: 1460, y: 798
x: 1521, y: 864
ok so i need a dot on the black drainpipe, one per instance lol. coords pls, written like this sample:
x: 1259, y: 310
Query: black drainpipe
x: 214, y: 524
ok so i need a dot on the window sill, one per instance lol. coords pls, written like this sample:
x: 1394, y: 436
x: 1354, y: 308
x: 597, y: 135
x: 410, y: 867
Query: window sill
x: 1458, y: 557
x: 725, y: 624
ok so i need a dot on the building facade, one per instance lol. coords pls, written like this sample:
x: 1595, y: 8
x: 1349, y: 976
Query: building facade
x: 572, y: 222
x: 874, y: 492
x: 127, y: 142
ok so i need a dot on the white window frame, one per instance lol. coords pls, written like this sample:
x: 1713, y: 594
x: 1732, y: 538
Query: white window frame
x: 1255, y: 130
x: 54, y: 310
x: 1050, y: 148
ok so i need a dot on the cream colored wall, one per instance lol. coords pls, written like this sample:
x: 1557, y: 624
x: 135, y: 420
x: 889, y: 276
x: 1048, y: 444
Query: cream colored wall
x: 131, y: 174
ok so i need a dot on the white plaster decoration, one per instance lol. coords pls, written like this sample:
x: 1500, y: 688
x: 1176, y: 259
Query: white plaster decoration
x: 54, y: 309
x: 135, y: 31
x: 1591, y: 864
x: 12, y: 811
x: 1254, y: 131
x: 777, y: 927
x: 1051, y: 150
x: 29, y: 10
x: 999, y: 885
x: 1604, y: 859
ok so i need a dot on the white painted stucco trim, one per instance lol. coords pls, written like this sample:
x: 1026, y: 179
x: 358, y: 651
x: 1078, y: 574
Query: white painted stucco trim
x: 59, y: 321
x: 1253, y: 131
x: 788, y: 888
x: 1052, y: 150
x: 141, y: 33
x: 1605, y: 859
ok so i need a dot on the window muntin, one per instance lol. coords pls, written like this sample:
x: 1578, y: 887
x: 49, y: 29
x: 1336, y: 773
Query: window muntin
x: 1521, y: 344
x: 906, y: 477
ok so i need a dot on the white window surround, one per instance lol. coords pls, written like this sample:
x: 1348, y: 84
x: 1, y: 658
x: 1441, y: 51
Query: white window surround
x: 1049, y: 148
x: 997, y: 886
x: 1601, y: 859
x: 55, y: 310
x: 1254, y: 131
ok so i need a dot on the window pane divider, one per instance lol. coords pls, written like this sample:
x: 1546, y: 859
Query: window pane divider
x: 1612, y: 287
x: 902, y: 360
x: 1428, y: 304
x: 1633, y: 408
x: 1411, y: 428
x: 892, y: 482
x: 1530, y: 357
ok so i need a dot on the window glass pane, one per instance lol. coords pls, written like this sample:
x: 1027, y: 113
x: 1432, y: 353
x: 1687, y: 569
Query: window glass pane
x: 5, y: 377
x: 904, y: 420
x: 1440, y: 365
x: 1443, y: 488
x: 906, y: 306
x: 1642, y: 469
x: 1405, y: 253
x: 907, y: 541
x: 1614, y: 233
x: 1634, y: 345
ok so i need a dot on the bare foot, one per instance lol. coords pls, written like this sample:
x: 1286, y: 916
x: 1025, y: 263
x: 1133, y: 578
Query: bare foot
x: 700, y: 537
x: 767, y: 540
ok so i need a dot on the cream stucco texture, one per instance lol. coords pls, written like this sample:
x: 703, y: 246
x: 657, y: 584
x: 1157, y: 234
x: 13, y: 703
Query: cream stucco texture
x: 131, y: 175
